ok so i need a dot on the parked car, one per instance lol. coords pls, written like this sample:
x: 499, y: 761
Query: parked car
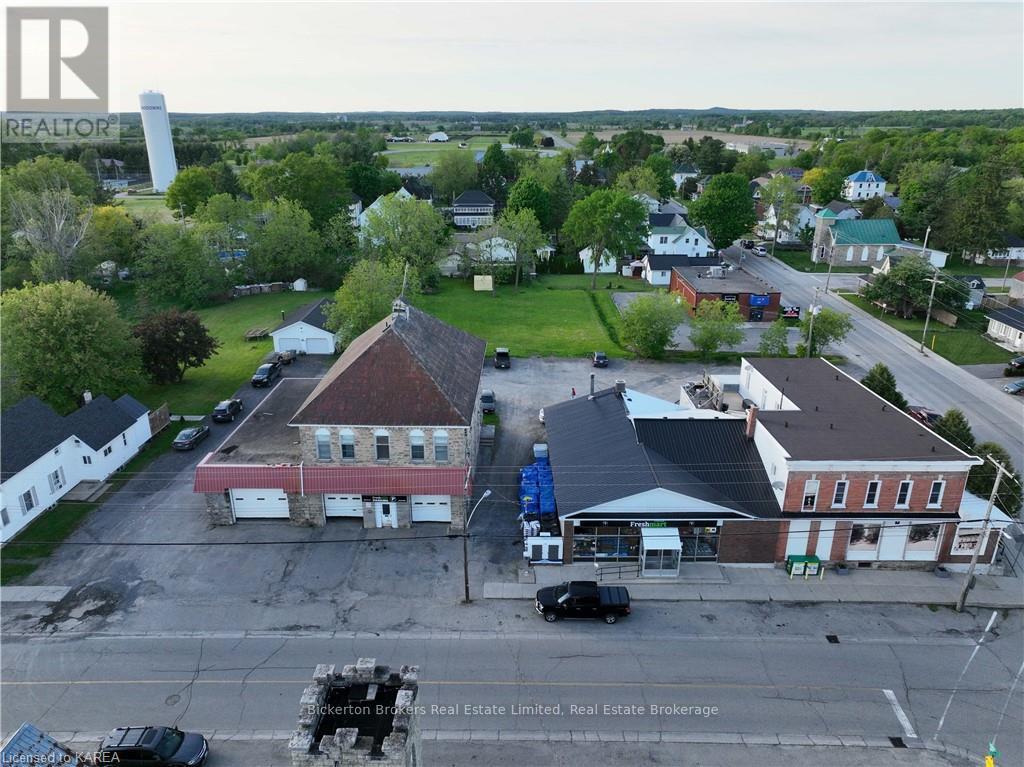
x: 582, y: 600
x: 502, y: 358
x: 599, y: 360
x: 265, y: 374
x: 760, y: 250
x: 227, y: 410
x: 747, y: 244
x: 133, y: 746
x: 924, y: 415
x: 1014, y: 387
x: 188, y: 438
x: 540, y: 415
x: 286, y: 357
x: 487, y: 401
x: 1017, y: 363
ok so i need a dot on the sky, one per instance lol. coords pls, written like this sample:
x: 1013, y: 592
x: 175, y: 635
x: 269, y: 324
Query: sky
x: 514, y: 56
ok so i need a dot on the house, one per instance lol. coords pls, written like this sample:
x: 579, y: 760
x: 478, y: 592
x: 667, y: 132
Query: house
x: 473, y: 209
x: 757, y: 300
x: 794, y: 173
x: 438, y: 137
x: 679, y: 238
x: 656, y: 268
x: 1006, y: 327
x: 495, y: 249
x: 652, y: 204
x: 972, y: 288
x: 682, y: 172
x: 672, y: 205
x: 818, y: 465
x: 387, y: 437
x: 607, y: 265
x: 790, y: 231
x: 863, y: 185
x: 701, y: 186
x: 862, y: 241
x: 1014, y: 252
x: 892, y: 202
x: 838, y: 209
x: 665, y: 219
x: 1016, y: 288
x: 755, y: 192
x: 418, y: 188
x: 305, y: 330
x: 364, y: 215
x: 46, y: 455
x: 355, y: 207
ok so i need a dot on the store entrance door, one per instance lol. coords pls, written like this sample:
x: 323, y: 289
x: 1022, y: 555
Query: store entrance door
x: 660, y: 549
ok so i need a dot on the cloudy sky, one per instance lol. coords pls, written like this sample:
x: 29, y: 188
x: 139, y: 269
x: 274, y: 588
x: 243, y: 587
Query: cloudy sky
x: 510, y: 56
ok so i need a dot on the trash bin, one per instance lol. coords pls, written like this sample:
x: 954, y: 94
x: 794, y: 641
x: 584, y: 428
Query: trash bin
x: 797, y: 564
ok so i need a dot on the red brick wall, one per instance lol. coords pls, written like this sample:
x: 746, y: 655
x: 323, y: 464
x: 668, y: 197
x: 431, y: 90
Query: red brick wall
x: 747, y: 542
x: 678, y: 285
x: 840, y: 539
x: 858, y: 485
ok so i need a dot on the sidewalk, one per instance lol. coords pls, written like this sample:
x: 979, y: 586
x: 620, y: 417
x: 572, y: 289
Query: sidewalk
x: 769, y: 584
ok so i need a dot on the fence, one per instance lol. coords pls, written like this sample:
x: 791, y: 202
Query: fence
x: 617, y: 572
x: 159, y: 418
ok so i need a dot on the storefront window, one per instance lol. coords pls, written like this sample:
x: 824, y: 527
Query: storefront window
x: 966, y: 541
x: 700, y: 544
x: 922, y: 538
x: 864, y: 537
x: 606, y: 544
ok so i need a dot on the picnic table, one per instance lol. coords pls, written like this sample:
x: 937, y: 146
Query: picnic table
x: 254, y: 334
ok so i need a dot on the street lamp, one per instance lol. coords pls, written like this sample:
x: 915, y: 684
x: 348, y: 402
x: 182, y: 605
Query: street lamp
x: 465, y: 546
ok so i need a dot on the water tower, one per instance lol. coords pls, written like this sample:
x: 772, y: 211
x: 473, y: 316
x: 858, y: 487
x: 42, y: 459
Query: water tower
x: 157, y: 126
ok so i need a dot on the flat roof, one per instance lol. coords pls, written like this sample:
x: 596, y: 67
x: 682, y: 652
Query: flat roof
x: 731, y: 281
x: 264, y: 436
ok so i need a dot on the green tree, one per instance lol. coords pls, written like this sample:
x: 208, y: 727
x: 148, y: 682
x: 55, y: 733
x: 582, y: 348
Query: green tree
x: 830, y: 327
x: 190, y: 188
x: 409, y: 232
x: 883, y: 383
x: 64, y: 338
x: 497, y: 172
x: 523, y: 137
x: 368, y: 182
x: 775, y: 340
x: 661, y: 166
x: 316, y: 182
x: 725, y: 208
x: 905, y: 288
x: 366, y: 296
x: 608, y: 221
x: 225, y: 181
x: 112, y: 235
x: 826, y: 184
x: 649, y: 323
x: 286, y: 246
x: 588, y: 145
x: 954, y: 427
x: 638, y: 180
x: 171, y: 342
x: 528, y: 193
x: 982, y: 478
x: 175, y: 267
x: 715, y: 324
x: 225, y: 209
x: 52, y: 223
x: 635, y: 145
x: 977, y: 221
x: 752, y: 164
x: 453, y: 173
x: 523, y: 236
x: 875, y: 207
x: 779, y: 195
x: 341, y: 244
x: 926, y: 189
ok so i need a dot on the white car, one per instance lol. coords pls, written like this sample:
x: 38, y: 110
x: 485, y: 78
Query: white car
x: 541, y: 415
x: 760, y: 250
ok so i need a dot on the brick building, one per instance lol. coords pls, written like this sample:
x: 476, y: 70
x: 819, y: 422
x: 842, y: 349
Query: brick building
x: 757, y: 300
x: 388, y: 436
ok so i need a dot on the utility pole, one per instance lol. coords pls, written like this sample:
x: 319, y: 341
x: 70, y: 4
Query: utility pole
x: 934, y: 280
x: 813, y: 309
x: 982, y: 540
x: 828, y: 275
x: 465, y: 547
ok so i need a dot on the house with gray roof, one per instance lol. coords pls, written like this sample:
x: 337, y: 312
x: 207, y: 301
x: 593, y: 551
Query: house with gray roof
x: 45, y: 455
x: 305, y: 330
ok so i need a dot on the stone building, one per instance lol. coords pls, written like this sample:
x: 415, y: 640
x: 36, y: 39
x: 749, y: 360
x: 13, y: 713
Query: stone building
x: 388, y: 436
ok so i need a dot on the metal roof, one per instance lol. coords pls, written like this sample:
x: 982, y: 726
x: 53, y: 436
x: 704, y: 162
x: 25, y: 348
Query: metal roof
x: 865, y: 231
x: 30, y: 745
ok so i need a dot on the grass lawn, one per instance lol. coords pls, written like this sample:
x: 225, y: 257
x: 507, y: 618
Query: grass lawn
x: 961, y: 346
x: 37, y: 541
x: 149, y: 208
x: 801, y: 261
x: 530, y: 320
x: 582, y: 282
x: 422, y: 153
x: 982, y: 270
x: 236, y: 359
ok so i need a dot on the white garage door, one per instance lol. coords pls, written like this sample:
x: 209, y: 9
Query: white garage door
x: 343, y: 505
x: 431, y: 508
x: 319, y: 346
x: 259, y: 504
x: 288, y: 344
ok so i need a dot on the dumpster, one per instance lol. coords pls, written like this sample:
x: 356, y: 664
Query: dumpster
x: 806, y: 566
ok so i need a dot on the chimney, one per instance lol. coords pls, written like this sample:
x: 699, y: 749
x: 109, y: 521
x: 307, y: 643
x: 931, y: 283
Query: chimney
x: 87, y: 396
x: 591, y: 384
x: 751, y: 421
x: 620, y: 388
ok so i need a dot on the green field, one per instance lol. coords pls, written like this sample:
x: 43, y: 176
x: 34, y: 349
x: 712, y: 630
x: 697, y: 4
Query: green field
x: 532, y: 320
x: 801, y: 261
x: 961, y: 346
x: 236, y: 359
x: 422, y: 153
x: 148, y: 208
x: 982, y: 270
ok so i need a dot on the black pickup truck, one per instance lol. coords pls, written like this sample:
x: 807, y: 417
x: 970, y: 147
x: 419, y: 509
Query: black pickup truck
x: 582, y: 599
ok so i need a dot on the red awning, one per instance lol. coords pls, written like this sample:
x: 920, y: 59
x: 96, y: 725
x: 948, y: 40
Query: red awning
x: 361, y: 480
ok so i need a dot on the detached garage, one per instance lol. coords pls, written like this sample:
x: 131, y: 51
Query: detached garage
x: 259, y: 504
x: 304, y: 330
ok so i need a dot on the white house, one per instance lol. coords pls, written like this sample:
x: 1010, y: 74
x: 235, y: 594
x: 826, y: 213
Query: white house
x: 473, y: 209
x: 497, y: 249
x: 1006, y: 327
x: 304, y: 330
x: 681, y: 240
x: 607, y: 265
x: 653, y: 205
x: 45, y: 455
x: 682, y: 172
x: 438, y: 137
x: 863, y: 185
x: 364, y: 215
x: 789, y: 232
x: 1014, y: 251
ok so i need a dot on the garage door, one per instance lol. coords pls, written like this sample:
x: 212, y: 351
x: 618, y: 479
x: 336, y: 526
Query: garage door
x: 319, y: 346
x: 431, y: 508
x: 259, y: 504
x: 343, y: 505
x: 288, y: 344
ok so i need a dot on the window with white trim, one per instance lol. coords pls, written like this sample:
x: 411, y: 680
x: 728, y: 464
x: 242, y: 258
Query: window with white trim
x: 417, y: 450
x: 56, y: 479
x: 441, y: 446
x: 839, y: 494
x: 871, y: 495
x: 108, y: 450
x: 935, y: 494
x: 903, y: 494
x: 323, y: 445
x: 382, y: 445
x: 348, y: 445
x: 87, y: 459
x: 28, y: 500
x: 810, y: 495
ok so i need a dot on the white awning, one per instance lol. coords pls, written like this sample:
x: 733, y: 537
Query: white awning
x: 972, y: 513
x: 660, y: 539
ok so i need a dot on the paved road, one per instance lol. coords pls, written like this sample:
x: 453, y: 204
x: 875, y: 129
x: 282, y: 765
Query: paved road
x: 560, y: 143
x: 925, y: 379
x: 726, y: 680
